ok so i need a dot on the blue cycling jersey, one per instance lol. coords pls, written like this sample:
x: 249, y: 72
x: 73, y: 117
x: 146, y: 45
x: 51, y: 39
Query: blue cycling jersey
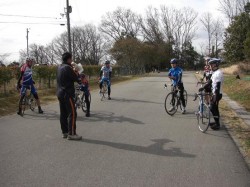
x: 177, y: 74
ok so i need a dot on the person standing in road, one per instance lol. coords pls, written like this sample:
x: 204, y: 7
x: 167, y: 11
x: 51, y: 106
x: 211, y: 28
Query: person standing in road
x: 105, y: 76
x: 66, y: 77
x: 175, y: 74
x: 215, y: 82
x: 27, y: 83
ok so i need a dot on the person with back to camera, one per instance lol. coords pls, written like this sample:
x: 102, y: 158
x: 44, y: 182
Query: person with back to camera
x: 66, y: 76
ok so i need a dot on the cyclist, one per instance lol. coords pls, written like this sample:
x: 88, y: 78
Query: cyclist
x: 175, y: 74
x: 105, y: 75
x: 207, y: 76
x: 207, y: 71
x: 215, y: 82
x: 27, y: 83
x: 66, y: 77
x: 85, y: 88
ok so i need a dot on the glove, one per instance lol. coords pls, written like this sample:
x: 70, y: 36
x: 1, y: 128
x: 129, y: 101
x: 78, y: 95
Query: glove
x: 201, y: 89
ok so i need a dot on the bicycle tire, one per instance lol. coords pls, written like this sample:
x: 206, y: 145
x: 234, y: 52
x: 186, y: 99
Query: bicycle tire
x: 104, y: 91
x: 185, y: 97
x: 84, y: 105
x: 23, y: 105
x: 171, y: 101
x: 32, y: 103
x: 203, y: 118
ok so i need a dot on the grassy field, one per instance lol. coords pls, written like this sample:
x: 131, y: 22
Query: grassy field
x: 9, y: 103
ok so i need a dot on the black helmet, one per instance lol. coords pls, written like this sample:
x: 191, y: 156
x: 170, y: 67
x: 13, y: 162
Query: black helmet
x: 173, y: 61
x: 214, y: 61
x: 107, y: 62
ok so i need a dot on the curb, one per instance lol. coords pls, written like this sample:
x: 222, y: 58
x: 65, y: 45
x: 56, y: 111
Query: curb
x: 242, y: 114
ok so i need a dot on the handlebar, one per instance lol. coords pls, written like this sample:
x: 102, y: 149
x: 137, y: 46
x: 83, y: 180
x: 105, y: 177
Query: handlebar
x: 200, y: 93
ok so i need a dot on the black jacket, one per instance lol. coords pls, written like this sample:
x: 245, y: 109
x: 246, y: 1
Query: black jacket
x: 65, y: 81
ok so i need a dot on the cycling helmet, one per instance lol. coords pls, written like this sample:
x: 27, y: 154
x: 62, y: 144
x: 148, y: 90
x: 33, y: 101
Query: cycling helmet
x: 107, y: 62
x: 173, y: 61
x: 214, y: 61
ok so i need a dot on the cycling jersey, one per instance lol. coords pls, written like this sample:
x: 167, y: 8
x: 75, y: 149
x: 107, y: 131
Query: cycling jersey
x: 177, y: 74
x: 217, y: 81
x: 106, y: 72
x: 26, y: 71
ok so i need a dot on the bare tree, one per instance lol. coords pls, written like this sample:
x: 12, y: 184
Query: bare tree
x: 119, y: 23
x: 179, y: 25
x: 232, y: 8
x: 151, y: 26
x: 218, y: 36
x: 208, y: 25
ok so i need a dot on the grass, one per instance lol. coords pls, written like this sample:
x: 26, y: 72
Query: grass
x: 9, y: 103
x: 238, y: 89
x: 236, y: 126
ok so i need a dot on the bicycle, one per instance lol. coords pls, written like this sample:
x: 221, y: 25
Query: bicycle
x: 80, y: 99
x: 104, y: 90
x: 173, y: 100
x: 204, y: 113
x: 27, y: 100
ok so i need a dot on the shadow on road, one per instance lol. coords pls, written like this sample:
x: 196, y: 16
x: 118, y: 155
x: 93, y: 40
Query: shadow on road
x: 154, y: 149
x: 134, y: 101
x: 108, y: 117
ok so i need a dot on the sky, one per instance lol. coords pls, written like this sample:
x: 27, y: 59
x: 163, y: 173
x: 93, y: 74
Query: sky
x: 43, y: 30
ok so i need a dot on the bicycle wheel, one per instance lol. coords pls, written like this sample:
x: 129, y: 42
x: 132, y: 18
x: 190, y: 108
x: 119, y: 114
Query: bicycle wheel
x: 84, y: 104
x: 203, y: 118
x: 185, y: 97
x: 32, y: 103
x: 171, y: 103
x: 22, y: 105
x: 104, y: 91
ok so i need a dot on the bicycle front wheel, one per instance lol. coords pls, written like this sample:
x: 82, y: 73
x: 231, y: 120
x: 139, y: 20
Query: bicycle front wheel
x: 203, y: 117
x: 171, y: 103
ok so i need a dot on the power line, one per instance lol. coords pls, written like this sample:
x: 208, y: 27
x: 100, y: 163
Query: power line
x: 26, y: 16
x: 31, y: 23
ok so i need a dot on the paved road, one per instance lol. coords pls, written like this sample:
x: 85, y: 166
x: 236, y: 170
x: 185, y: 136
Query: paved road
x: 128, y: 141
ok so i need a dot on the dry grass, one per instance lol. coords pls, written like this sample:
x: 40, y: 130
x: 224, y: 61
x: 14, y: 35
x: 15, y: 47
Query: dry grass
x: 236, y: 126
x: 240, y: 68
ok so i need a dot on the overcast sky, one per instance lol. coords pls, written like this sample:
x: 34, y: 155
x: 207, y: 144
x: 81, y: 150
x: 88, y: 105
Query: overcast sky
x: 13, y: 35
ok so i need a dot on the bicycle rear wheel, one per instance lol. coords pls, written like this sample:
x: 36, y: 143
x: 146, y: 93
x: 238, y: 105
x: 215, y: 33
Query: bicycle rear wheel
x: 84, y: 104
x: 185, y: 97
x: 171, y: 103
x: 203, y: 118
x: 32, y: 103
x: 22, y: 105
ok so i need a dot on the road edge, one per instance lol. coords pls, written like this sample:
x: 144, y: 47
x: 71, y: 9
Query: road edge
x: 232, y: 136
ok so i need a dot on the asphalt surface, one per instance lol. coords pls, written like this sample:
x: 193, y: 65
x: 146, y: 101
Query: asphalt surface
x: 128, y: 141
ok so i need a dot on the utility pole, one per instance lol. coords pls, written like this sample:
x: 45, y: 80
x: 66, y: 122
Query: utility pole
x: 27, y: 37
x: 68, y: 11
